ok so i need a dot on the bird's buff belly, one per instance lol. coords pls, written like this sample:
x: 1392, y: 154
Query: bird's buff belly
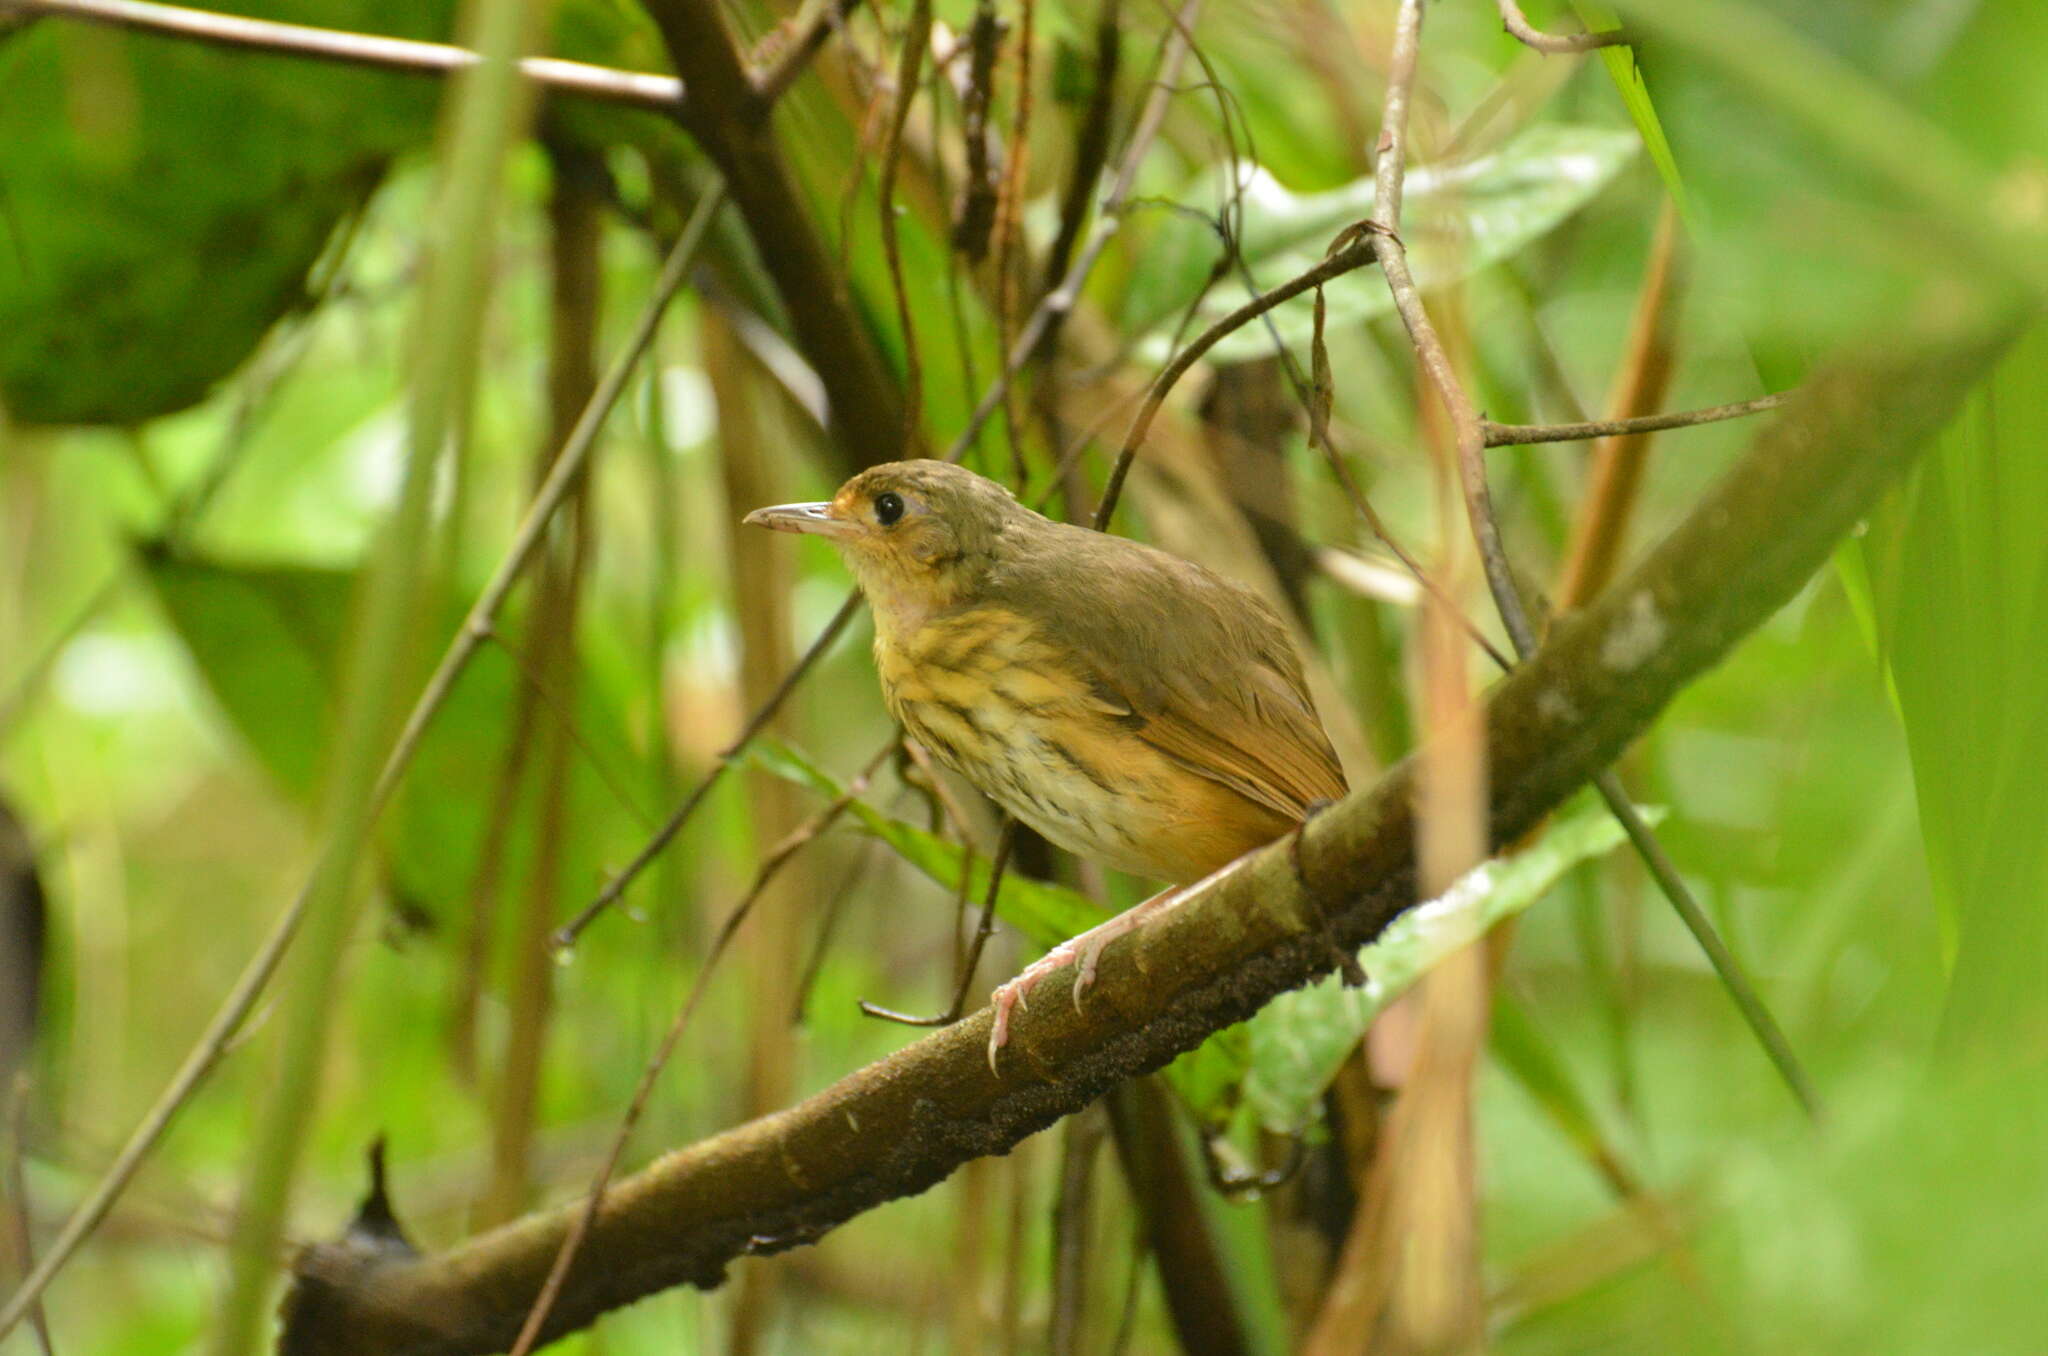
x: 1036, y: 774
x: 1035, y: 741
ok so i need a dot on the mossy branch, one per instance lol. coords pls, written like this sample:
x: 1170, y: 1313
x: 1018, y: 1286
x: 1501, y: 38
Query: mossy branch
x: 900, y: 1126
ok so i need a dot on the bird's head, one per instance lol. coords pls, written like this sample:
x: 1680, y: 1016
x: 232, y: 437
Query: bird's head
x: 918, y: 535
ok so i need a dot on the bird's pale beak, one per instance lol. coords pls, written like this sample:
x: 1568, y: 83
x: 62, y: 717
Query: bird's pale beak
x: 816, y: 519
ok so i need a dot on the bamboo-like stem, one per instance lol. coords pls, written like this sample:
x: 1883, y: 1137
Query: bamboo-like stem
x: 485, y: 120
x: 249, y: 986
x: 575, y: 306
x: 771, y: 953
x: 1080, y: 1144
x: 482, y: 125
x: 1614, y: 480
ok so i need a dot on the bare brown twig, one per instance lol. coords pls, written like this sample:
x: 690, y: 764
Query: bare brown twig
x: 774, y: 82
x: 614, y: 888
x: 1555, y: 44
x: 1442, y: 376
x: 1358, y: 253
x: 778, y: 857
x: 983, y: 930
x: 1521, y: 435
x: 637, y: 89
x: 1091, y: 143
x: 14, y: 1097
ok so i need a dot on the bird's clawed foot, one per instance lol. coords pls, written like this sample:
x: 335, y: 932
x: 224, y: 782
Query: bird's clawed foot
x: 1084, y: 951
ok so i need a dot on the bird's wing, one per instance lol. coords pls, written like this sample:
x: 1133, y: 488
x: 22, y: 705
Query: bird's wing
x: 1195, y: 666
x: 1262, y: 741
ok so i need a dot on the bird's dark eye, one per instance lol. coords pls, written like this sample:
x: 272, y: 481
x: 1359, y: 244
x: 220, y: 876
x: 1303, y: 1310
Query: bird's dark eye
x: 888, y: 507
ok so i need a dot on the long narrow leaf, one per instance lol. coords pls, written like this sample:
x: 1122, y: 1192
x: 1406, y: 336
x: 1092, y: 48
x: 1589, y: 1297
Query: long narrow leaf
x: 1047, y: 914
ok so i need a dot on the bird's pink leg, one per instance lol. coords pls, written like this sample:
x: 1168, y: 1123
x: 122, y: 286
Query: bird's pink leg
x: 1085, y: 949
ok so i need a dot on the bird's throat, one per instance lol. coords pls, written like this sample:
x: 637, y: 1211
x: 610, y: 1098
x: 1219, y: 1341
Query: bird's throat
x: 903, y: 600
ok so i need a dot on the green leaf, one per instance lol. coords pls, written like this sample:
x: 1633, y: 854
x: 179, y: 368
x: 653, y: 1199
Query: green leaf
x: 1958, y: 566
x: 267, y: 643
x: 1627, y: 74
x: 266, y: 640
x: 1048, y: 914
x: 136, y: 273
x: 1532, y: 1061
x: 1458, y: 218
x: 1297, y: 1042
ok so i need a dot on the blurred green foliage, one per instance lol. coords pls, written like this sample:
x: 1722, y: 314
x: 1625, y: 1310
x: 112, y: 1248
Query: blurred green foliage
x: 168, y: 202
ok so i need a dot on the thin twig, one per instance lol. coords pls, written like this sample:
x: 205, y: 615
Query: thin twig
x: 563, y: 710
x: 1730, y: 971
x: 917, y: 35
x: 1319, y: 438
x: 1555, y: 44
x: 828, y: 925
x: 1091, y: 143
x: 979, y: 190
x: 1471, y: 445
x: 1389, y: 180
x: 45, y: 661
x: 1358, y: 253
x: 982, y: 932
x: 1009, y: 205
x: 249, y: 986
x: 20, y: 1220
x: 1053, y: 307
x: 831, y: 16
x: 1522, y: 435
x: 778, y: 856
x: 566, y: 935
x: 951, y: 811
x: 637, y: 89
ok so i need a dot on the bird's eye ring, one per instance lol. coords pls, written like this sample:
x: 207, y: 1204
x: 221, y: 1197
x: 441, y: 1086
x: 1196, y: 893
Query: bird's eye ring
x: 888, y: 507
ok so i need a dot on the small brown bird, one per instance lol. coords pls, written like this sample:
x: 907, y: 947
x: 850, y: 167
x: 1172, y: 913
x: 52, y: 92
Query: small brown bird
x: 1133, y: 707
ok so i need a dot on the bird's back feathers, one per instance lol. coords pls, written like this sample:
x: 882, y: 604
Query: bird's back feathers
x: 1202, y: 661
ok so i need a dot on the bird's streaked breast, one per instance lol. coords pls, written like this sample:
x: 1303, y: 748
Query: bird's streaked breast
x: 996, y: 704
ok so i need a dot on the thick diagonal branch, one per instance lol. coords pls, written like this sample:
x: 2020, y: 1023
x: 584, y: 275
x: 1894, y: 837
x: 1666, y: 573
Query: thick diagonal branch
x: 899, y: 1126
x: 729, y: 115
